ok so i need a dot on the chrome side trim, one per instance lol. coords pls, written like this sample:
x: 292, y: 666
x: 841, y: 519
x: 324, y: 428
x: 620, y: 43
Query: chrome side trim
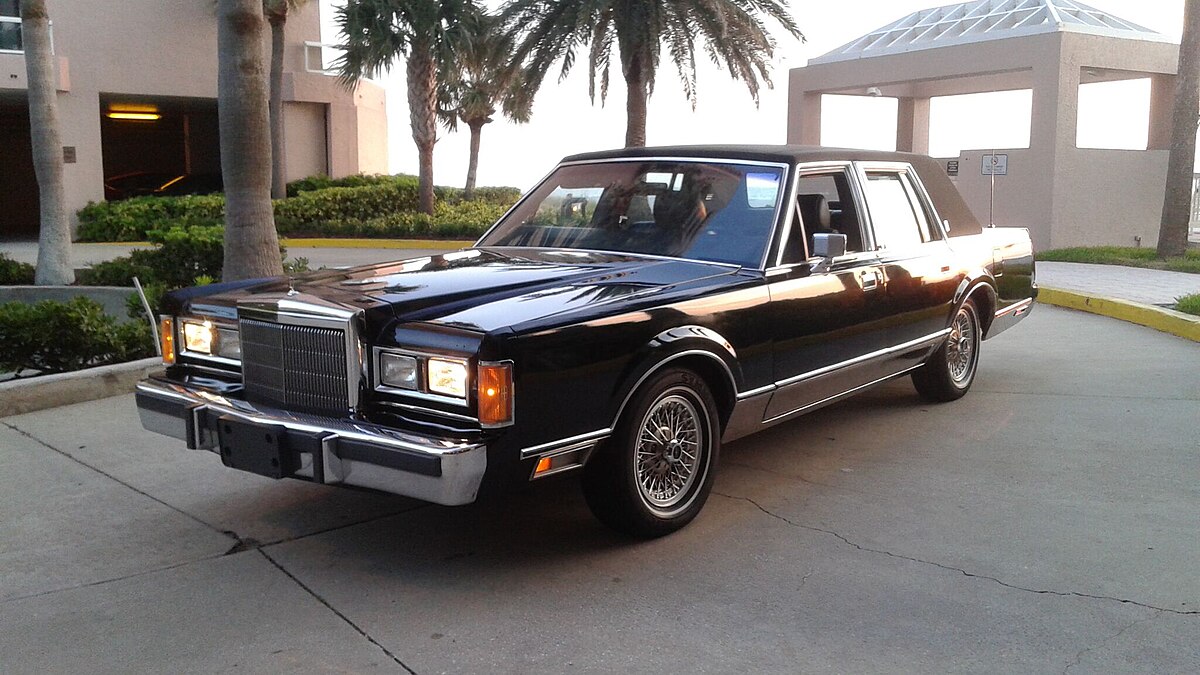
x: 755, y: 392
x: 836, y: 397
x: 911, y: 344
x: 566, y: 444
x: 1015, y: 307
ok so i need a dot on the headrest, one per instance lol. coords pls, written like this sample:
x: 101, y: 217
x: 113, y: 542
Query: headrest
x: 814, y: 210
x: 676, y: 209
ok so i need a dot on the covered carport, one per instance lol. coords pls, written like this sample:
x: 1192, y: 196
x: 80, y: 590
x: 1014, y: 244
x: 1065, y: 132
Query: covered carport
x: 1066, y: 195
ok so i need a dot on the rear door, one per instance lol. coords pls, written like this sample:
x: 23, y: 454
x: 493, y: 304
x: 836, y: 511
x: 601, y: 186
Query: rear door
x: 920, y: 273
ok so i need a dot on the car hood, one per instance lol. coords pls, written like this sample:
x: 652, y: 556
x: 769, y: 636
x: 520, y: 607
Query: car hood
x: 485, y: 289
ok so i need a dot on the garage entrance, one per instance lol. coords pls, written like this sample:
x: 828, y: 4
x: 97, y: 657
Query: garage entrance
x: 18, y: 186
x: 159, y: 146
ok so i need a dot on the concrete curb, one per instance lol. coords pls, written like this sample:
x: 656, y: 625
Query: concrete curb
x: 89, y: 384
x: 1159, y: 318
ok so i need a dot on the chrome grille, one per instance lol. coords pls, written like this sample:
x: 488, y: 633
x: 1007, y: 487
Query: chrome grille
x: 299, y: 368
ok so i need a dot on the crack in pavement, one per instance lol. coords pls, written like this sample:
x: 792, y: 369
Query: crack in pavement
x: 336, y: 611
x: 108, y: 475
x: 951, y: 568
x: 1079, y: 657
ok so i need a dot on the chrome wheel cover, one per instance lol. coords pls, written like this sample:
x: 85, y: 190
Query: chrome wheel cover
x: 962, y: 346
x: 671, y: 455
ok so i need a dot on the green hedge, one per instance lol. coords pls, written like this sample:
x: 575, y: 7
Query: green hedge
x: 56, y: 337
x: 131, y: 219
x: 353, y: 206
x: 182, y: 254
x: 13, y: 273
x: 461, y: 220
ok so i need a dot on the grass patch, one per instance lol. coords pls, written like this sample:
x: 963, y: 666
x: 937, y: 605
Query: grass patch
x: 1123, y: 255
x: 1188, y: 304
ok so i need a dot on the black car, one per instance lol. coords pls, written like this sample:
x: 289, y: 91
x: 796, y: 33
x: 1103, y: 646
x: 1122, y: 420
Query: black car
x: 633, y: 312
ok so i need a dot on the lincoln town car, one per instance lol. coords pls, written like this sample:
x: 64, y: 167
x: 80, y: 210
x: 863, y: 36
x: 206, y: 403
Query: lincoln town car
x: 632, y: 313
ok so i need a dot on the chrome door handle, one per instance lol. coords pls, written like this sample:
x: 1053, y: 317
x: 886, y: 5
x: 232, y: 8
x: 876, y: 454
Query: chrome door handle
x: 870, y: 279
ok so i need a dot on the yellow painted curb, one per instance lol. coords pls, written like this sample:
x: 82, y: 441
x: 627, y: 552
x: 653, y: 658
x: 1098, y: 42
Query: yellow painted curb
x: 377, y: 243
x: 1158, y: 318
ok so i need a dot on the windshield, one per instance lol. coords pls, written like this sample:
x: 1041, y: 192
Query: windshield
x: 700, y: 210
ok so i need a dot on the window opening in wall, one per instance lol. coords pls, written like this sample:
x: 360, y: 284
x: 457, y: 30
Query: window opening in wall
x: 983, y: 121
x: 1114, y: 115
x: 10, y: 26
x: 866, y: 122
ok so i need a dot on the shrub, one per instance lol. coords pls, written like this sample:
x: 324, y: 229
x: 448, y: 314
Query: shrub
x: 320, y: 182
x: 14, y: 273
x: 132, y: 219
x: 1189, y: 304
x: 56, y: 337
x: 183, y: 253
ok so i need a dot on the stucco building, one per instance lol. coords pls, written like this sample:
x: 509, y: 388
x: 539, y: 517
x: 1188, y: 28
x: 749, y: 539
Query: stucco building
x: 137, y: 93
x: 1065, y: 195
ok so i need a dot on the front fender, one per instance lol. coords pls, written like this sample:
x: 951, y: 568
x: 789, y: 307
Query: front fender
x: 710, y: 350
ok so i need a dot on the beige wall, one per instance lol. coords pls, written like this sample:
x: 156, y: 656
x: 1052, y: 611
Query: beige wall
x: 1066, y: 196
x: 164, y: 50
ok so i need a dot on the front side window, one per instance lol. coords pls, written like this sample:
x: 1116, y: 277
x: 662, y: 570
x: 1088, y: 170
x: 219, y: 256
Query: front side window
x: 10, y: 25
x: 898, y: 218
x: 708, y: 211
x: 824, y: 205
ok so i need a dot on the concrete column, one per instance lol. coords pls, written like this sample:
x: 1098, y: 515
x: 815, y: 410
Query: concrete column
x: 79, y: 120
x: 912, y: 125
x: 1162, y: 99
x: 343, y: 139
x: 804, y: 117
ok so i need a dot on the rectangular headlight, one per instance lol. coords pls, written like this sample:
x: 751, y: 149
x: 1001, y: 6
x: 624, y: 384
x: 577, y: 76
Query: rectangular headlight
x: 198, y: 336
x: 396, y: 370
x: 447, y: 377
x: 229, y: 344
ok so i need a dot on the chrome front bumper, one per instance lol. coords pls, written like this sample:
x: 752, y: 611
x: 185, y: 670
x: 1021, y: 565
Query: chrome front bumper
x: 434, y: 469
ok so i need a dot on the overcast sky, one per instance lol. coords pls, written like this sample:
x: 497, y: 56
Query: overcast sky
x: 564, y: 120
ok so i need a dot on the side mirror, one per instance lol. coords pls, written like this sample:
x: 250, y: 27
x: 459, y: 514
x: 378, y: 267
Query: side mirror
x: 829, y: 245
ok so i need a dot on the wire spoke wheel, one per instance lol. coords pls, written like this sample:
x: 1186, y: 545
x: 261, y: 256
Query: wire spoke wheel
x: 960, y: 349
x: 667, y: 451
x: 656, y: 471
x: 950, y: 370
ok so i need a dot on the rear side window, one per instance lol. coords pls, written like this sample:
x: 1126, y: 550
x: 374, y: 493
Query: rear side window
x: 897, y: 214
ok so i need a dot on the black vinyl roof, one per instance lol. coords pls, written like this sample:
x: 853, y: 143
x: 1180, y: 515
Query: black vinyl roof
x: 942, y: 191
x: 760, y: 153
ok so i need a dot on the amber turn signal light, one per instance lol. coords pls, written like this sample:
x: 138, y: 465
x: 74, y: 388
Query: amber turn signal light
x: 494, y: 390
x: 166, y: 337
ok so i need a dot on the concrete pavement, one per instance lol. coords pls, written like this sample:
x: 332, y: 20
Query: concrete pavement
x: 1150, y: 287
x: 1043, y: 524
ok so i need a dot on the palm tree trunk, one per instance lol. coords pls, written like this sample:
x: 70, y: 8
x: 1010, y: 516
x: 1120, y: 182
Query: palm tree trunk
x: 278, y: 19
x: 422, y: 114
x: 473, y: 165
x: 1177, y: 201
x: 251, y: 244
x: 637, y: 94
x: 54, y: 238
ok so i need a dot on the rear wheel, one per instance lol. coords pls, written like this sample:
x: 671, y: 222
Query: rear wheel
x: 656, y: 471
x: 949, y: 372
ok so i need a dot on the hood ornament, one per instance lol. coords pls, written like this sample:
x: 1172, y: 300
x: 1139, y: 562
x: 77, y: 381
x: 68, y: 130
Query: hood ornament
x: 292, y: 292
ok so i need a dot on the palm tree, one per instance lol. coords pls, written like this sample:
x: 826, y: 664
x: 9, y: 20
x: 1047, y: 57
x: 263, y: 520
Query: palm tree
x: 1177, y: 201
x: 251, y: 244
x: 424, y: 32
x: 732, y: 33
x: 54, y: 238
x: 481, y: 77
x: 276, y: 12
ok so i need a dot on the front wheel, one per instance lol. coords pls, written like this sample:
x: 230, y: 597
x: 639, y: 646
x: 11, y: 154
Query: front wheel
x: 949, y: 372
x: 654, y: 474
